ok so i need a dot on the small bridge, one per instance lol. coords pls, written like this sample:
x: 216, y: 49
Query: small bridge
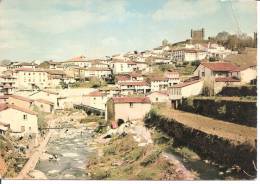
x: 90, y: 110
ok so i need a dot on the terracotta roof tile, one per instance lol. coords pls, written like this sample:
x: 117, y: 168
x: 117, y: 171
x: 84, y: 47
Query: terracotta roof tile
x: 184, y: 84
x: 45, y: 101
x: 220, y: 66
x: 133, y: 83
x: 226, y: 79
x: 21, y: 98
x: 131, y: 100
x: 6, y: 106
x: 96, y: 94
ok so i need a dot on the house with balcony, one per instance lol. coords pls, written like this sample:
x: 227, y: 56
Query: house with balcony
x: 131, y: 87
x: 184, y: 90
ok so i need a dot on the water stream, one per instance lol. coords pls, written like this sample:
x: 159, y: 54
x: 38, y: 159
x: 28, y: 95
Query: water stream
x: 71, y: 148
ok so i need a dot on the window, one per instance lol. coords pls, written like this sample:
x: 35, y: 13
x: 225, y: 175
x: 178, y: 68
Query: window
x: 41, y: 106
x: 203, y: 74
x: 156, y: 99
x: 131, y: 105
x: 25, y: 116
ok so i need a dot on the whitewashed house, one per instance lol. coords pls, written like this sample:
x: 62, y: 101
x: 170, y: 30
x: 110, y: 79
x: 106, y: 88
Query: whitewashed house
x: 31, y: 78
x: 130, y: 87
x: 95, y: 99
x: 95, y: 72
x: 217, y: 70
x: 127, y: 108
x: 184, y: 90
x: 120, y: 66
x: 159, y: 97
x: 21, y: 121
x: 158, y: 83
x: 173, y: 77
x: 80, y: 61
x: 248, y: 74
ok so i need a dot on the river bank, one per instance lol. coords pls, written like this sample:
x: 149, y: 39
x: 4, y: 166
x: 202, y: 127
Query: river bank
x: 129, y: 153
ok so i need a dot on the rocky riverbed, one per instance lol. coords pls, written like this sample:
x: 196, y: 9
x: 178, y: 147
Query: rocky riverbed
x: 65, y: 155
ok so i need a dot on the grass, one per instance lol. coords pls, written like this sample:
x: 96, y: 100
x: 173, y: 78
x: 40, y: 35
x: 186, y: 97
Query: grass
x: 187, y: 70
x: 125, y: 151
x: 89, y: 119
x: 93, y: 83
x: 151, y: 158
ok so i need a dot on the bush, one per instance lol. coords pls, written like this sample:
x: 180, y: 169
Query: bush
x: 91, y: 119
x: 111, y: 150
x: 151, y: 158
x: 135, y: 154
x: 101, y: 174
x: 145, y: 175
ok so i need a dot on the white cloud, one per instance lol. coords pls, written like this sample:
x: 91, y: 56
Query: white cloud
x: 185, y: 9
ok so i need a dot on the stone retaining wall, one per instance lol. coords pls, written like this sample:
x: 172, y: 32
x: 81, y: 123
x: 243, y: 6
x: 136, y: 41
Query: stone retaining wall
x: 222, y: 151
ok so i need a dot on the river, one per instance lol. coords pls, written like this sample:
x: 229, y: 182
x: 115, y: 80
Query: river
x: 72, y: 150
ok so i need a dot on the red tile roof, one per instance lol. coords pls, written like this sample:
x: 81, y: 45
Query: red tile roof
x: 21, y: 98
x: 158, y: 78
x: 226, y: 79
x: 184, y: 84
x: 45, y: 101
x: 96, y: 94
x: 133, y: 83
x: 221, y: 66
x: 122, y: 78
x: 78, y: 59
x: 11, y: 106
x: 30, y: 70
x: 135, y: 74
x: 3, y: 106
x: 131, y: 100
x: 97, y: 69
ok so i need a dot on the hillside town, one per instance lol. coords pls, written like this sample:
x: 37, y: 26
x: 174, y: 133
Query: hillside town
x: 127, y: 90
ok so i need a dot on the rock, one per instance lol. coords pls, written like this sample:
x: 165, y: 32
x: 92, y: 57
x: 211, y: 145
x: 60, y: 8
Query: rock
x: 228, y: 171
x: 53, y: 171
x: 117, y: 163
x: 69, y: 176
x: 142, y: 144
x: 206, y: 161
x: 221, y: 173
x: 36, y: 174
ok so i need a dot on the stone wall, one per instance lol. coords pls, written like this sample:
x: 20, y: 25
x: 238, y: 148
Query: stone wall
x: 239, y: 91
x: 240, y: 112
x: 219, y: 149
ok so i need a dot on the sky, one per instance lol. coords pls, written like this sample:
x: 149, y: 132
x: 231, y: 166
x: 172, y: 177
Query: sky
x: 61, y: 29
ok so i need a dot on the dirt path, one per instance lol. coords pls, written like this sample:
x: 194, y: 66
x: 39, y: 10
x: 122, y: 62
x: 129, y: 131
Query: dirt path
x: 212, y: 126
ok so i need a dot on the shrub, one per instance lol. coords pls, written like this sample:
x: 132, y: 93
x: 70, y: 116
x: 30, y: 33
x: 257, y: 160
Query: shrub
x: 151, y: 158
x: 145, y: 175
x: 101, y: 174
x: 135, y: 154
x: 111, y: 150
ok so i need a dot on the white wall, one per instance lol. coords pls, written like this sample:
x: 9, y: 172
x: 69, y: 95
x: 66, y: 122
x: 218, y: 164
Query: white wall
x: 98, y: 102
x: 192, y: 90
x: 16, y: 120
x: 158, y: 97
x: 247, y: 75
x: 125, y: 112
